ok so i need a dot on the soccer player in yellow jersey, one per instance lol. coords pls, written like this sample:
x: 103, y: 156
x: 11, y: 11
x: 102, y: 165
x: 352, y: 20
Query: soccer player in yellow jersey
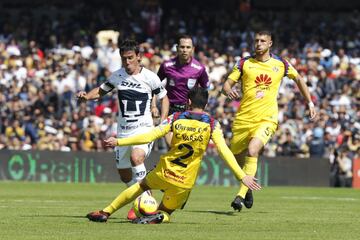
x: 257, y: 117
x: 177, y: 169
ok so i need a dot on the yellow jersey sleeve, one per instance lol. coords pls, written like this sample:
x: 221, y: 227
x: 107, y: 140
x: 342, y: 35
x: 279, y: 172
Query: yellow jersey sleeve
x: 150, y: 136
x: 292, y: 73
x: 225, y: 153
x: 235, y: 73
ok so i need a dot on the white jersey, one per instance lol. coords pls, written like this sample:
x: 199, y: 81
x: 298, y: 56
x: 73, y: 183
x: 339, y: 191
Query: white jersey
x: 134, y: 93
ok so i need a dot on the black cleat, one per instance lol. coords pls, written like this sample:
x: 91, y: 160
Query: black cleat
x: 237, y: 203
x: 151, y: 219
x: 249, y: 199
x: 98, y: 216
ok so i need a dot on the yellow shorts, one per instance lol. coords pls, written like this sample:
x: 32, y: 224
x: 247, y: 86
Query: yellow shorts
x: 242, y: 133
x: 174, y: 197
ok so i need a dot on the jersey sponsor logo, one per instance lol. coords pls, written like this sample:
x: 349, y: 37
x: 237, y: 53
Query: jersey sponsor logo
x: 132, y: 127
x: 263, y: 82
x: 191, y: 83
x: 179, y: 126
x: 263, y: 79
x: 131, y: 85
x: 172, y: 175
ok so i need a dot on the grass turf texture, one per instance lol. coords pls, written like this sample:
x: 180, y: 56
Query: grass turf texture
x: 57, y: 211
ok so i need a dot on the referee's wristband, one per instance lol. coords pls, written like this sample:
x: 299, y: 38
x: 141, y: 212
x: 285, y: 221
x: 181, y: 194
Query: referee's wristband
x: 311, y: 105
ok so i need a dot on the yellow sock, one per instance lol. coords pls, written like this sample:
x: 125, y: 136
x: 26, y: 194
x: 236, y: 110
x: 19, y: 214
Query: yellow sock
x: 250, y: 168
x: 166, y: 217
x: 124, y: 198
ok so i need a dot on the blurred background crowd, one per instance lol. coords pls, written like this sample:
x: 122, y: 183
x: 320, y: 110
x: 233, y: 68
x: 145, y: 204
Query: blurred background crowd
x: 50, y: 52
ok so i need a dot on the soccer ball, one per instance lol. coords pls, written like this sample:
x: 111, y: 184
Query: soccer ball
x: 145, y: 205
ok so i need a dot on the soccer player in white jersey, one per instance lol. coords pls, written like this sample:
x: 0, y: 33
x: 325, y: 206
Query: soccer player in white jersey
x: 135, y: 87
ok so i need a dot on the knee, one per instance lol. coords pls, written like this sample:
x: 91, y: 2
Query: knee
x: 137, y: 158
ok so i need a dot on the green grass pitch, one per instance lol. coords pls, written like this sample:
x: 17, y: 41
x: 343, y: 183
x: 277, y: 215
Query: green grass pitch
x: 56, y: 211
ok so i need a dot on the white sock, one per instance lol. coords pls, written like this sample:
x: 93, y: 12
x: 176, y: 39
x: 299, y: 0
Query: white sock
x: 138, y: 172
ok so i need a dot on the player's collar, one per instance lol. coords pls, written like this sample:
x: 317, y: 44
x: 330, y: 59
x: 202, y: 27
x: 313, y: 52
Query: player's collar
x: 271, y: 56
x: 178, y: 61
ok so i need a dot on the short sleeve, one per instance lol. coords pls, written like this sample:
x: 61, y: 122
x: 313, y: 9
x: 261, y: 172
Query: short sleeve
x: 203, y: 79
x: 292, y: 73
x: 161, y: 72
x: 157, y: 87
x: 235, y: 73
x: 109, y: 84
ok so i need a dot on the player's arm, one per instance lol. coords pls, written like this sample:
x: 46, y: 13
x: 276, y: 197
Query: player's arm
x: 144, y: 138
x: 305, y: 93
x: 154, y: 110
x: 95, y: 93
x: 159, y: 92
x: 228, y: 157
x: 165, y: 104
x: 227, y: 89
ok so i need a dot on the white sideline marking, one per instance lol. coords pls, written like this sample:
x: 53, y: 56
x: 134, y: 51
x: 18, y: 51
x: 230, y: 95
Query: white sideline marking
x: 321, y: 198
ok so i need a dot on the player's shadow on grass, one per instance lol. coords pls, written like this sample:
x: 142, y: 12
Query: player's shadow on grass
x: 227, y: 213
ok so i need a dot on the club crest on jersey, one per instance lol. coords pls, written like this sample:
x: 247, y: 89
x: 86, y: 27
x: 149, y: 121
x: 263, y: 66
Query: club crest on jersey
x: 130, y: 84
x: 191, y: 83
x: 275, y: 69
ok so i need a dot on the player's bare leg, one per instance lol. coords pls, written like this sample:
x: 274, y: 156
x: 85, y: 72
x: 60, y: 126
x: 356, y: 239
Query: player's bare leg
x: 125, y: 175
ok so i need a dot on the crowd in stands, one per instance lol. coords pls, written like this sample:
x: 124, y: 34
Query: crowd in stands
x: 45, y: 60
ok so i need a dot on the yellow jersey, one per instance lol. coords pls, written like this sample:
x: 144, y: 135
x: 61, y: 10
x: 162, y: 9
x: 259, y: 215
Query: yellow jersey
x: 191, y: 134
x: 260, y: 82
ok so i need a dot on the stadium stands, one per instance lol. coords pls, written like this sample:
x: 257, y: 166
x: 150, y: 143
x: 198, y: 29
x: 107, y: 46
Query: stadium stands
x: 47, y: 55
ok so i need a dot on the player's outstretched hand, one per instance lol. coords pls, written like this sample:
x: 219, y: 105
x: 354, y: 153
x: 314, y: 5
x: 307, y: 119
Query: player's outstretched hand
x: 81, y: 96
x: 110, y: 142
x: 312, y: 112
x: 251, y: 183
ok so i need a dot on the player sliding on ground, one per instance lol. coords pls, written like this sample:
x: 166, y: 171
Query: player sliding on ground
x: 177, y: 170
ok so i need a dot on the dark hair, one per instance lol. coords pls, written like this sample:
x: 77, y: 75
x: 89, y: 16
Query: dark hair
x: 265, y: 32
x: 199, y: 97
x: 184, y: 36
x: 129, y: 45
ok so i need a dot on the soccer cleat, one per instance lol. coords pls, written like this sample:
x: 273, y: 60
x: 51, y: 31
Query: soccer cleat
x: 237, y: 203
x: 151, y: 219
x: 131, y: 214
x: 98, y: 216
x: 249, y: 199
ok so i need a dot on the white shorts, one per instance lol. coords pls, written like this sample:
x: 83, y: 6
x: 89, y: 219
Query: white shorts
x: 123, y: 153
